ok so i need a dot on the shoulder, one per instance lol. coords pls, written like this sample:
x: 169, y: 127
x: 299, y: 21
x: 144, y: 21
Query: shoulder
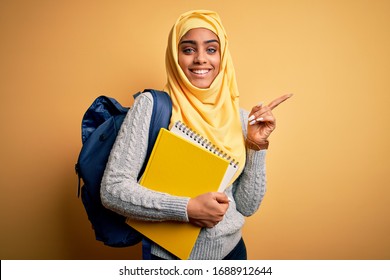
x: 139, y: 113
x: 143, y: 97
x: 142, y: 105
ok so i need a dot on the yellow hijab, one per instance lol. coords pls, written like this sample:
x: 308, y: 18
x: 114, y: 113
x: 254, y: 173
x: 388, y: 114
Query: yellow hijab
x: 212, y: 112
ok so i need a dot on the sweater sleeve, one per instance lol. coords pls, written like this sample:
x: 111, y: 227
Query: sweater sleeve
x: 249, y: 189
x: 120, y: 190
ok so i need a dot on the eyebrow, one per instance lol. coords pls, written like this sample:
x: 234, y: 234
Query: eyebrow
x: 192, y: 42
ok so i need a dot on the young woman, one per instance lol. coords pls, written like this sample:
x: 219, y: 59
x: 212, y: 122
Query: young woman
x: 201, y: 83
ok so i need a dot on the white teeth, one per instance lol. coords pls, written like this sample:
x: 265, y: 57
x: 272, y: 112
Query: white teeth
x: 200, y: 72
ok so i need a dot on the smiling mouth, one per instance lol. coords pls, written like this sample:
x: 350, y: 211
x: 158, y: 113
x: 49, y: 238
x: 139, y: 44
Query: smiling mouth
x: 200, y: 71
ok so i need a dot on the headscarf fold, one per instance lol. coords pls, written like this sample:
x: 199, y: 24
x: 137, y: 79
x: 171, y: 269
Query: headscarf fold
x: 212, y: 112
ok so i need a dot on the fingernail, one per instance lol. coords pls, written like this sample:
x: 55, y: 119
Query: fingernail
x: 230, y: 200
x: 251, y: 118
x: 260, y: 119
x: 252, y: 122
x: 260, y: 104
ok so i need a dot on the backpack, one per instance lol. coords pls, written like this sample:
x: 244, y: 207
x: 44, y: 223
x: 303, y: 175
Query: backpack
x: 100, y: 126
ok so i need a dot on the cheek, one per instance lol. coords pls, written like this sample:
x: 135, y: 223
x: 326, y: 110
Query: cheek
x: 217, y: 64
x: 182, y: 62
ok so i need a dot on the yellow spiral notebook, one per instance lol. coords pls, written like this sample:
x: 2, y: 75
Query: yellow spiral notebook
x: 179, y: 166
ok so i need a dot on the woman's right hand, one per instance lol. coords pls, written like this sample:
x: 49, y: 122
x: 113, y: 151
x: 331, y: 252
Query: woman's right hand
x: 207, y: 210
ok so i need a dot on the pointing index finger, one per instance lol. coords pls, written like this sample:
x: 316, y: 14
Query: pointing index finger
x: 279, y: 100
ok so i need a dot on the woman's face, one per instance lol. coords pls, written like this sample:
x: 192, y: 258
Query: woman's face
x: 199, y: 56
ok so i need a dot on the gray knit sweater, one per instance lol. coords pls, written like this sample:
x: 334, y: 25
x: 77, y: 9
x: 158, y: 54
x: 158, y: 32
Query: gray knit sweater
x: 121, y: 192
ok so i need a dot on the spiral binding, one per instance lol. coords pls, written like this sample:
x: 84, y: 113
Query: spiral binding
x: 204, y: 142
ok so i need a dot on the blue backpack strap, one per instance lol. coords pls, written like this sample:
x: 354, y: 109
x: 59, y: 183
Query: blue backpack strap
x: 161, y: 117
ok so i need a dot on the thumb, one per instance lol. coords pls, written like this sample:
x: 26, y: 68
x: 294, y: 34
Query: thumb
x: 221, y: 197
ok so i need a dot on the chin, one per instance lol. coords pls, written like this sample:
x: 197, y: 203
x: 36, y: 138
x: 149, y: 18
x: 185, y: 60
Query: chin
x: 202, y: 85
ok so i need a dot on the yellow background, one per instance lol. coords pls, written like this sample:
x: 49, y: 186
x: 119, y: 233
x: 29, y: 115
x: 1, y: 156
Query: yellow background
x: 328, y: 163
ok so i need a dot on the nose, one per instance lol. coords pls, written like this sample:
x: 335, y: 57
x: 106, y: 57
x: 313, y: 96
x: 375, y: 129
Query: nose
x: 200, y: 58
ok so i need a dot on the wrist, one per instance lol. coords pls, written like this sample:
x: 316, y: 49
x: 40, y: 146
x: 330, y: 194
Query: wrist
x: 257, y: 146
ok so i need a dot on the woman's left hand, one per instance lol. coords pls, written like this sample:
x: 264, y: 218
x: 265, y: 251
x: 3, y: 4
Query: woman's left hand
x: 261, y: 121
